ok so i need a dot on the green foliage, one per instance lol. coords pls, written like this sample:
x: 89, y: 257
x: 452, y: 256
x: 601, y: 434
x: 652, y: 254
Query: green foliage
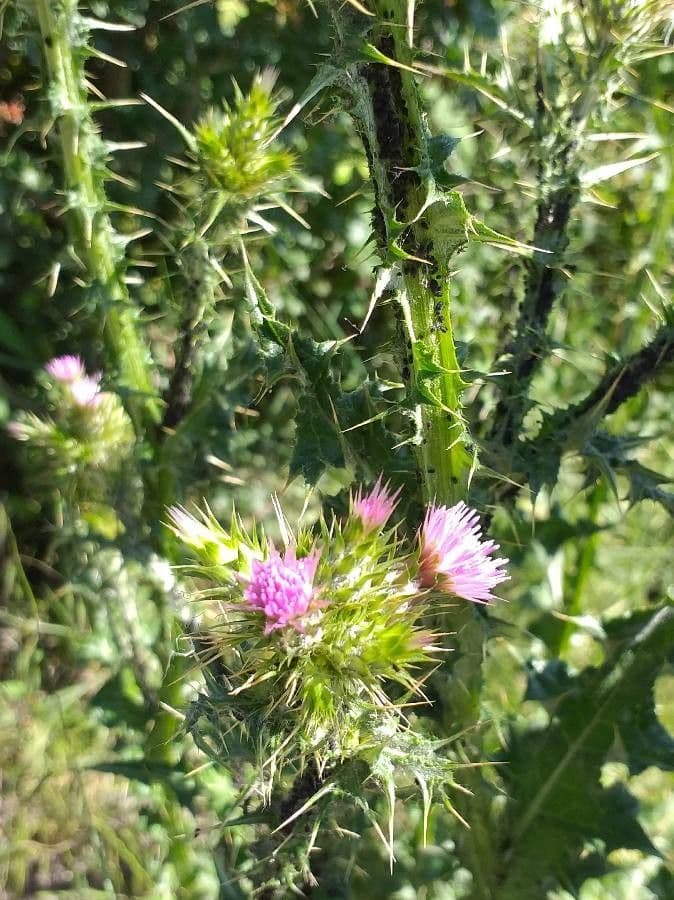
x: 65, y: 826
x: 554, y: 774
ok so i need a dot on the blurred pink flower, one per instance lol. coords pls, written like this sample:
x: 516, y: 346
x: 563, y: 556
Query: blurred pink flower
x: 86, y: 391
x: 453, y: 556
x: 12, y: 111
x: 66, y: 368
x: 282, y: 588
x: 17, y: 430
x: 375, y: 509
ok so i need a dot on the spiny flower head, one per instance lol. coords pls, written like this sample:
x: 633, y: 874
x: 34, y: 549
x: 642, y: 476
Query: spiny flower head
x: 83, y: 389
x: 188, y: 528
x: 453, y: 556
x: 85, y: 436
x: 234, y: 145
x: 66, y: 368
x: 375, y: 508
x: 282, y: 587
x: 211, y: 542
x: 339, y: 615
x: 301, y: 645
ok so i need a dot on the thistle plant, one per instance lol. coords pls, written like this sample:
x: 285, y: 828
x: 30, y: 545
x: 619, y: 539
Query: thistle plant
x: 320, y: 648
x: 233, y: 171
x: 291, y: 691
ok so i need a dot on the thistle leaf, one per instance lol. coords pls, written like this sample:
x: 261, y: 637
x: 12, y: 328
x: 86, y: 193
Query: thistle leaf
x: 317, y: 445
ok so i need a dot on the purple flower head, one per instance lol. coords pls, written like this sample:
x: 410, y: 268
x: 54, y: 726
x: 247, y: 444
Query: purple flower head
x: 453, y: 556
x: 86, y: 391
x: 66, y: 368
x: 282, y: 587
x: 375, y: 509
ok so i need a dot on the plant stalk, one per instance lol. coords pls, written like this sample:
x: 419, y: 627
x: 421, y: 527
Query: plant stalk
x: 95, y: 243
x: 412, y: 220
x: 419, y: 229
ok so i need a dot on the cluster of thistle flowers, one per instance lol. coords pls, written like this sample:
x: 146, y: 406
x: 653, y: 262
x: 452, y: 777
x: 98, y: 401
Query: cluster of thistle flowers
x: 311, y: 637
x: 86, y: 426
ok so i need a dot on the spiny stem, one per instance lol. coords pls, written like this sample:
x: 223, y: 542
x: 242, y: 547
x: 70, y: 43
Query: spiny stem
x: 560, y: 131
x: 196, y: 284
x: 443, y: 454
x: 388, y: 111
x: 626, y: 378
x: 94, y: 241
x: 559, y: 190
x: 563, y: 428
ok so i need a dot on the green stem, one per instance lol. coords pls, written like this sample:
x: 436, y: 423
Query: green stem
x: 95, y: 244
x: 443, y: 454
x: 160, y: 744
x: 413, y: 220
x: 420, y: 228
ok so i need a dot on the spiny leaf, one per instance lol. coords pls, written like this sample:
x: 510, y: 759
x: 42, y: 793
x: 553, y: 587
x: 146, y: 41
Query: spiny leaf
x: 317, y: 445
x: 424, y: 364
x: 371, y: 52
x: 440, y: 147
x: 644, y: 484
x: 482, y: 85
x: 360, y: 415
x: 485, y: 235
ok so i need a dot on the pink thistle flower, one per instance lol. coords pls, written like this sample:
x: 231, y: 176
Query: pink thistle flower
x: 86, y: 391
x: 375, y: 509
x: 282, y: 588
x: 66, y: 368
x: 453, y: 556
